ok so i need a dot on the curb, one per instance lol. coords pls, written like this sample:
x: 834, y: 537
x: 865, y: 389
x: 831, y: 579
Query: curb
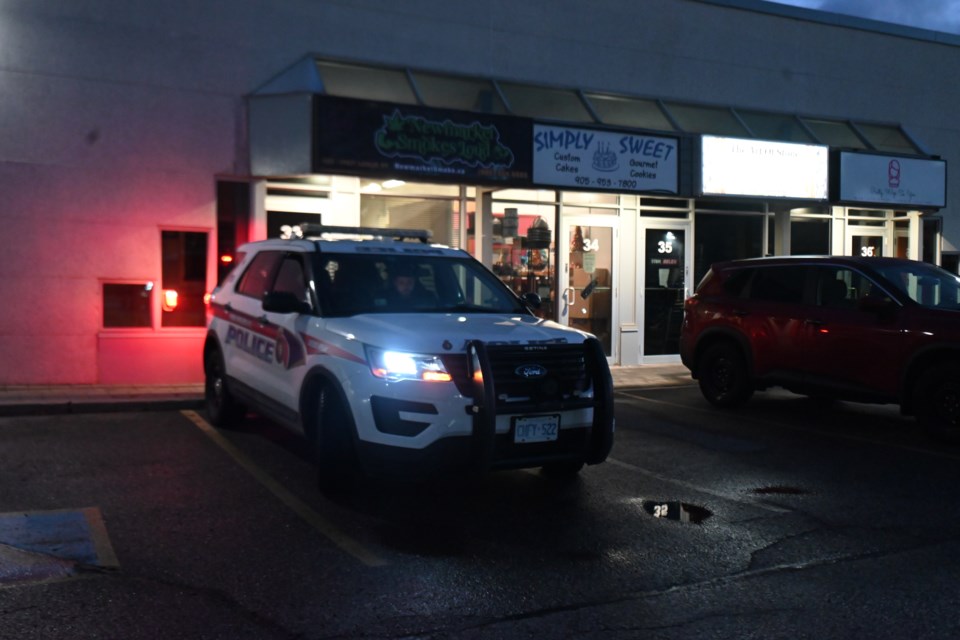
x: 98, y: 406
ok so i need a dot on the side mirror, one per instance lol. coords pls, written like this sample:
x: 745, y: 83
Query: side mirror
x: 284, y: 302
x: 532, y: 300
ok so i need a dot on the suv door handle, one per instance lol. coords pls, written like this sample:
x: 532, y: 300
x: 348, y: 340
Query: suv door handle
x: 263, y: 320
x: 813, y: 322
x: 740, y: 313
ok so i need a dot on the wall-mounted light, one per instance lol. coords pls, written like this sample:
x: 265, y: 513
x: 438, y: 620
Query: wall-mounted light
x: 169, y: 299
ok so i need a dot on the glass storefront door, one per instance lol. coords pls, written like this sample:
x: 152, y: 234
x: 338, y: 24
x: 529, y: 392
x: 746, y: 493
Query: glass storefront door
x: 868, y: 243
x: 666, y: 284
x: 588, y: 301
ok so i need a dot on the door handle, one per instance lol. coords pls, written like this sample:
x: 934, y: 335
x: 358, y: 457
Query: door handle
x: 263, y: 320
x: 740, y: 313
x: 570, y: 295
x: 813, y: 322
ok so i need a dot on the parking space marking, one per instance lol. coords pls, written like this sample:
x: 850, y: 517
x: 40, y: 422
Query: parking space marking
x: 47, y: 546
x: 308, y: 514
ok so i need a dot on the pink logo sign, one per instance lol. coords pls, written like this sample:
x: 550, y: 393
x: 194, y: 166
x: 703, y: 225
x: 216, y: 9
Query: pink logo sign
x: 893, y: 174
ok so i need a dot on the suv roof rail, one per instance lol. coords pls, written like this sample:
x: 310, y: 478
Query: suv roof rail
x: 312, y: 229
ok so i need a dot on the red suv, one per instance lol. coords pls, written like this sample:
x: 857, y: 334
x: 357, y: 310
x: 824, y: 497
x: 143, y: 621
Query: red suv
x: 881, y: 330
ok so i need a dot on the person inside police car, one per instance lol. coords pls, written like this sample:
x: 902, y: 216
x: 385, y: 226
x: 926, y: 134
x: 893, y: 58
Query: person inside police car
x: 406, y: 290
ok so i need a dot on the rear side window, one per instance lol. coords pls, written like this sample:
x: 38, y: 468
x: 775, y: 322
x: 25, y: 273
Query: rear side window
x: 292, y: 279
x: 736, y: 282
x: 256, y: 279
x: 778, y: 284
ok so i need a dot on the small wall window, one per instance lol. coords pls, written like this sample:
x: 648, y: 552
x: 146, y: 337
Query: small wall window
x: 184, y: 279
x: 126, y: 305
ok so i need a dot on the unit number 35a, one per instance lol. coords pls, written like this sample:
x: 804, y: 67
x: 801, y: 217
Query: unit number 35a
x: 664, y: 247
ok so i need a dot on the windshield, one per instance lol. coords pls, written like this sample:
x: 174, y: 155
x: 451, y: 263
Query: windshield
x: 354, y: 283
x: 925, y: 284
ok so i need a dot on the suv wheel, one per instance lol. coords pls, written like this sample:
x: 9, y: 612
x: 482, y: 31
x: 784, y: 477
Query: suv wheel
x: 222, y: 409
x: 937, y: 400
x: 332, y: 442
x: 723, y: 376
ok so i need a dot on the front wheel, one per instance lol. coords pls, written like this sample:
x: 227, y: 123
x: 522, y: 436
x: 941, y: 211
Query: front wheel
x: 332, y: 440
x: 723, y: 376
x: 937, y: 401
x: 222, y: 409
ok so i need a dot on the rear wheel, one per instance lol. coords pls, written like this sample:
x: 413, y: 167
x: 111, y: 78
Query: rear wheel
x: 332, y: 441
x: 222, y: 409
x: 937, y: 401
x: 723, y: 376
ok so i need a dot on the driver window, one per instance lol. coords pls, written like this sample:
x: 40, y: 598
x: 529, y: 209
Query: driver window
x: 291, y: 279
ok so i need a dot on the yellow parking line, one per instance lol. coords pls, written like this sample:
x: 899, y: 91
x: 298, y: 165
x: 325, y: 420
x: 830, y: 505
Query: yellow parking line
x: 314, y: 519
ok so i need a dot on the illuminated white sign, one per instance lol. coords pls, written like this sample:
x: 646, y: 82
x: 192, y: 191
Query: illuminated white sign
x: 742, y: 167
x: 879, y: 179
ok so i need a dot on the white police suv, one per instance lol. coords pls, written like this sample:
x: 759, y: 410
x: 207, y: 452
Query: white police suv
x: 393, y: 355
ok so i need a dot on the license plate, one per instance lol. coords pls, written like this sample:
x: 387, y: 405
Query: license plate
x: 536, y: 428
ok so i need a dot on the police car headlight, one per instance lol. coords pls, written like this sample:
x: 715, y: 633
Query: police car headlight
x: 397, y: 365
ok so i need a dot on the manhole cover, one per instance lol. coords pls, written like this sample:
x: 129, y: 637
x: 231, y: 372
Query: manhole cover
x: 675, y: 510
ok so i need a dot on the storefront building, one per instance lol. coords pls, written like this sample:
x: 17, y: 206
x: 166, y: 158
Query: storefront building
x: 609, y: 193
x: 611, y: 225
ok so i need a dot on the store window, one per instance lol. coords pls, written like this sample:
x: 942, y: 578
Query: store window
x: 183, y: 278
x: 701, y: 119
x: 931, y: 240
x: 775, y: 126
x: 369, y: 83
x: 809, y: 236
x: 439, y: 213
x: 465, y: 94
x: 721, y: 237
x: 127, y: 305
x: 629, y: 112
x: 951, y: 262
x: 835, y: 133
x: 887, y: 138
x: 545, y: 102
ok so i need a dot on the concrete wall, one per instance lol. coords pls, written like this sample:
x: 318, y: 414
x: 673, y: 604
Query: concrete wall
x: 116, y: 116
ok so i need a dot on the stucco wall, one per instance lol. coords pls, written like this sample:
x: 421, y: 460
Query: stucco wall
x: 115, y: 116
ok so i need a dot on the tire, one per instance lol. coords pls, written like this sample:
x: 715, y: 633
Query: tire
x: 332, y: 441
x: 723, y: 376
x: 937, y: 401
x: 562, y: 470
x: 222, y: 409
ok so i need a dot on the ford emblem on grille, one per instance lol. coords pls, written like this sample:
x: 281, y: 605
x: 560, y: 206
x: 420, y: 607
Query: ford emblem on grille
x: 531, y: 371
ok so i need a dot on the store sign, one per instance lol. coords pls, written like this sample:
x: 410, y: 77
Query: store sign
x: 892, y: 180
x: 359, y: 137
x: 604, y: 160
x: 762, y: 168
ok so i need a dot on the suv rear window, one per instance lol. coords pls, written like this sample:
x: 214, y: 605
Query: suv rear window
x: 778, y: 284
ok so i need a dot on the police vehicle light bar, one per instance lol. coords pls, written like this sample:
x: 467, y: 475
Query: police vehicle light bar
x: 312, y: 229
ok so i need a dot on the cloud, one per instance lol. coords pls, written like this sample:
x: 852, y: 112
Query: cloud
x: 938, y: 15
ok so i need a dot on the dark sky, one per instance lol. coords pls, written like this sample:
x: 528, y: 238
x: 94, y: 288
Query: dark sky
x: 939, y: 15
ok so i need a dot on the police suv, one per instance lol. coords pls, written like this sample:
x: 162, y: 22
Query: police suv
x: 394, y: 355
